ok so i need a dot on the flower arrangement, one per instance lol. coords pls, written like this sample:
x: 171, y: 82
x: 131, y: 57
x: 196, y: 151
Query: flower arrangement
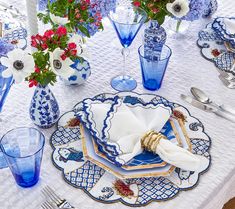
x: 155, y: 9
x: 189, y: 10
x: 56, y: 52
x: 82, y: 16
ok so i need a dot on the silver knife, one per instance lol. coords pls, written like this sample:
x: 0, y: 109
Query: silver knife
x: 207, y: 108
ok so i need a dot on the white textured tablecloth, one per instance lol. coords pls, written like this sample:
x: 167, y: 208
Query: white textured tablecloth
x: 187, y: 68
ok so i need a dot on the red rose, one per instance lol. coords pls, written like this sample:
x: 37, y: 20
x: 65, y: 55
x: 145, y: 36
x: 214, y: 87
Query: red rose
x: 137, y: 4
x: 61, y: 31
x: 72, y: 46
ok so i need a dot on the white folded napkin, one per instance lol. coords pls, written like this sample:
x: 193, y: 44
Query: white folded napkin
x: 125, y: 125
x: 230, y: 25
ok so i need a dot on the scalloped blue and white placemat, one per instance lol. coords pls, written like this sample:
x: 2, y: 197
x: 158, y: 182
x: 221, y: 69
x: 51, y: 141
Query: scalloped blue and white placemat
x: 104, y: 187
x: 214, y: 50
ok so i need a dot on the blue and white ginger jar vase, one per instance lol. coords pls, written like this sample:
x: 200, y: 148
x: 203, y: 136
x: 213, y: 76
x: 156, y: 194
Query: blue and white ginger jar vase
x: 82, y: 71
x: 154, y: 39
x: 44, y: 109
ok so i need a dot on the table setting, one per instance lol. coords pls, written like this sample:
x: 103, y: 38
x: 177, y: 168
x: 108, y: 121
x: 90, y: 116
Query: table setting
x: 83, y: 127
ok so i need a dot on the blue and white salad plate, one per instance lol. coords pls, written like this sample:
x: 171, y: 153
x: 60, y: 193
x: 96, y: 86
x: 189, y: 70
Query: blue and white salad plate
x: 101, y: 185
x: 214, y: 49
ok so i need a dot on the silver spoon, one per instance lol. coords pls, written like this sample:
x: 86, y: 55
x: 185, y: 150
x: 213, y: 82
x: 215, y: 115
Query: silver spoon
x: 203, y: 98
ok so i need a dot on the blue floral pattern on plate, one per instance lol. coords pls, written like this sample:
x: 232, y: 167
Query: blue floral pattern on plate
x: 100, y: 185
x: 213, y: 49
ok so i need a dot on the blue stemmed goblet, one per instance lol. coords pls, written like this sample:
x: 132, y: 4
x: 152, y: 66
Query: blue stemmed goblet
x: 127, y: 21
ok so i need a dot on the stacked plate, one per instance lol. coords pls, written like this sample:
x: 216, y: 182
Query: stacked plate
x: 105, y: 153
x: 225, y: 29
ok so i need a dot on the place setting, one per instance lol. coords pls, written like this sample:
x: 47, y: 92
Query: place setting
x: 217, y: 44
x: 124, y: 147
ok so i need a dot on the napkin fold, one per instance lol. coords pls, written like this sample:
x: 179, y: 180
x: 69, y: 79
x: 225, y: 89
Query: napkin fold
x: 125, y: 125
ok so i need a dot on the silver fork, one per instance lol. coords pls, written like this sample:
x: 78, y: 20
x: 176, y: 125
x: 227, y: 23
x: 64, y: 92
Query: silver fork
x: 61, y: 203
x: 47, y: 205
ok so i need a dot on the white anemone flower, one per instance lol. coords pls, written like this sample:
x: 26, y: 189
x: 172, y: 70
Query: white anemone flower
x: 59, y: 20
x: 61, y: 67
x: 179, y: 8
x: 19, y: 65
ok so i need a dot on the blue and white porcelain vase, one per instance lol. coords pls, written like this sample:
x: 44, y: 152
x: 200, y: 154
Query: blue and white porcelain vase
x: 154, y: 39
x: 211, y: 8
x: 82, y: 71
x: 44, y: 109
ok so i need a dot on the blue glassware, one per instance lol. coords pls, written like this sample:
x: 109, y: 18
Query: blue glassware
x: 5, y: 85
x: 23, y: 150
x: 153, y: 71
x: 127, y: 21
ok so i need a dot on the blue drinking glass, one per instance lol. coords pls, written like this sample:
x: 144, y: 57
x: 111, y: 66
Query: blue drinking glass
x: 127, y: 21
x: 5, y: 85
x: 23, y: 150
x: 153, y: 71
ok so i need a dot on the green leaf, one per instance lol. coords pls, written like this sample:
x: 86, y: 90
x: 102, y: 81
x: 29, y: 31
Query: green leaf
x: 84, y: 30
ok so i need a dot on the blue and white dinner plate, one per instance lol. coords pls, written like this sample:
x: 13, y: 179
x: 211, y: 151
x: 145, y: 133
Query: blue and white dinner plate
x: 214, y: 49
x: 103, y: 186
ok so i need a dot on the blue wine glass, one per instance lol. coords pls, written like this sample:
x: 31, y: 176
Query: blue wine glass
x: 127, y: 21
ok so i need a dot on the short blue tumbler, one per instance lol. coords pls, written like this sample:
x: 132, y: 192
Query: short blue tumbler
x: 23, y: 150
x: 153, y: 71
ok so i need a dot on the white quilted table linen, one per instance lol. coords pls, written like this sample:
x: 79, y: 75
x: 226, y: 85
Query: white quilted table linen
x: 186, y: 68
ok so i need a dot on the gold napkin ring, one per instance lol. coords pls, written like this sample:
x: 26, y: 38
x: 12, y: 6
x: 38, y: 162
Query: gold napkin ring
x: 151, y: 140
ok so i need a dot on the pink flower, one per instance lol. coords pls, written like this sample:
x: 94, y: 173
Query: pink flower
x: 137, y: 4
x: 61, y: 31
x: 72, y: 46
x: 37, y: 70
x: 63, y: 57
x: 32, y: 83
x: 49, y: 33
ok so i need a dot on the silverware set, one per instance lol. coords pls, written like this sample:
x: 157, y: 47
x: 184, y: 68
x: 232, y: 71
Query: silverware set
x: 203, y: 102
x: 228, y: 79
x: 53, y: 200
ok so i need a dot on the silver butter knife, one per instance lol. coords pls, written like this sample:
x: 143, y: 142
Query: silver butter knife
x: 207, y: 108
